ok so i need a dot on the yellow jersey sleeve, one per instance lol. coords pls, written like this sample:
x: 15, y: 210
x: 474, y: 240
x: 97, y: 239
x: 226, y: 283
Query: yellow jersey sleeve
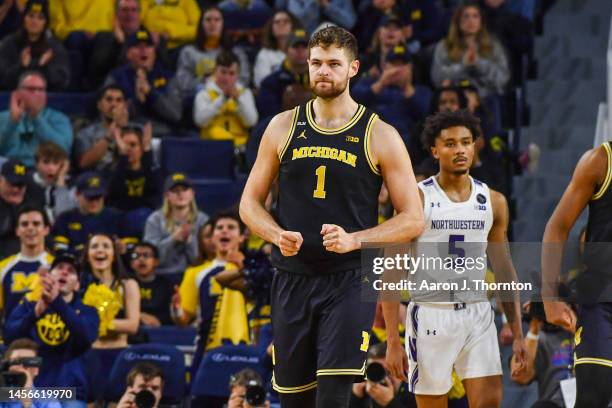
x: 189, y: 291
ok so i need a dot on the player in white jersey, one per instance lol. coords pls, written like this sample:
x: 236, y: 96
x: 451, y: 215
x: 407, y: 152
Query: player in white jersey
x: 444, y: 335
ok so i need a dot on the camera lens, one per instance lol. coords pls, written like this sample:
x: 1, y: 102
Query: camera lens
x: 144, y: 399
x: 255, y: 395
x: 375, y: 372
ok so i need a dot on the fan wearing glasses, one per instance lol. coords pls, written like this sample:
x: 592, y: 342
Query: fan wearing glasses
x: 29, y: 121
x: 155, y: 290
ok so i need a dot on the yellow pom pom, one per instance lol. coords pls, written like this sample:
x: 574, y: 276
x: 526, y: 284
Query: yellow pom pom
x: 107, y: 302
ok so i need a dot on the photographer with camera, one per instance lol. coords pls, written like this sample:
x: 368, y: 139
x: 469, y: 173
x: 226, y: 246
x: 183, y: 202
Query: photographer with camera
x: 21, y: 365
x: 145, y: 383
x: 247, y: 391
x: 549, y: 360
x: 380, y: 389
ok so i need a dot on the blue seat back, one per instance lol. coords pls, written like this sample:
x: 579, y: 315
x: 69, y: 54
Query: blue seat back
x: 219, y: 364
x: 199, y: 159
x: 177, y: 336
x: 168, y: 358
x: 214, y: 195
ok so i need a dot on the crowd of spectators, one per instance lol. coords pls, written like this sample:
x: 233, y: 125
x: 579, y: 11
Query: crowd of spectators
x: 125, y: 233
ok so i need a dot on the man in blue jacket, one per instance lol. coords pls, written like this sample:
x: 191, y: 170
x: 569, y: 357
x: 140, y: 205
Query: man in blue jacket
x: 61, y: 324
x: 294, y: 71
x: 73, y: 228
x: 393, y: 94
x: 150, y: 88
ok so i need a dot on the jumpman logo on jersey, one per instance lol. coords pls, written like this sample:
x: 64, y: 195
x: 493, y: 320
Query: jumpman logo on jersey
x: 302, y: 135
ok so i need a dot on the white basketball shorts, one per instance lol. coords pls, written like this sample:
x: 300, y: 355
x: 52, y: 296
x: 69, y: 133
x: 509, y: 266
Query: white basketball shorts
x: 442, y: 337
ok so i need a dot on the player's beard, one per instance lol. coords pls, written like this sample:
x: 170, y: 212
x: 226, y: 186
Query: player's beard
x: 336, y: 89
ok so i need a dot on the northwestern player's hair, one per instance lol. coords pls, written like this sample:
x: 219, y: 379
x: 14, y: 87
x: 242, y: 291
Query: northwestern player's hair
x: 435, y: 124
x: 335, y: 36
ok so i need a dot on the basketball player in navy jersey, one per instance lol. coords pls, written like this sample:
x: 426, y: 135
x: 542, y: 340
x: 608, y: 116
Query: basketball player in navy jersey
x: 589, y: 187
x: 445, y: 334
x: 331, y: 156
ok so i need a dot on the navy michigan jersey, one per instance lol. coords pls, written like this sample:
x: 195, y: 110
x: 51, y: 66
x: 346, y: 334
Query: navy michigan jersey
x: 18, y: 274
x: 326, y: 176
x: 596, y: 281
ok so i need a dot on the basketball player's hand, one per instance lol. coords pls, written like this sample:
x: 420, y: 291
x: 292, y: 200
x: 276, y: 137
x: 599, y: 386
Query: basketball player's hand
x: 336, y: 239
x: 290, y: 242
x: 519, y: 356
x: 397, y: 361
x: 560, y: 314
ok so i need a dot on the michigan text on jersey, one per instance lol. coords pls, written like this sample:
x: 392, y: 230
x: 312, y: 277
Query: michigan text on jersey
x: 325, y: 153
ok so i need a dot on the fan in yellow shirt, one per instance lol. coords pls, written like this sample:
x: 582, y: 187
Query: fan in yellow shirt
x: 176, y: 20
x: 222, y: 311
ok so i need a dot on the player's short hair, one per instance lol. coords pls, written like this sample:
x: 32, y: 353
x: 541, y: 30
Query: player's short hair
x: 336, y: 36
x: 33, y: 208
x: 51, y: 151
x: 226, y: 58
x: 378, y: 350
x: 148, y: 371
x: 20, y: 344
x: 232, y: 214
x: 435, y: 124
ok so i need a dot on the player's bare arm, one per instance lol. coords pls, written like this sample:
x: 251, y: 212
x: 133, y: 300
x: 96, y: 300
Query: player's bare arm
x: 589, y: 173
x: 404, y: 194
x: 501, y: 261
x: 390, y: 155
x: 264, y: 173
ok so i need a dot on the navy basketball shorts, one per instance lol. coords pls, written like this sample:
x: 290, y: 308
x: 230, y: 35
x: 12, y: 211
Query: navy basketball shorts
x: 321, y: 326
x: 593, y: 338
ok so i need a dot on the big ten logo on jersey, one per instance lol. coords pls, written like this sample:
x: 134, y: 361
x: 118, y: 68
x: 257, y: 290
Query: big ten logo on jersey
x: 22, y: 282
x: 482, y: 200
x: 352, y: 139
x: 135, y: 187
x: 52, y: 330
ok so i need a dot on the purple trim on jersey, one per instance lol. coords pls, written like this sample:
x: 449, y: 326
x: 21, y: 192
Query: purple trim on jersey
x: 477, y: 182
x: 414, y: 317
x: 412, y: 346
x: 428, y: 182
x: 414, y: 379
